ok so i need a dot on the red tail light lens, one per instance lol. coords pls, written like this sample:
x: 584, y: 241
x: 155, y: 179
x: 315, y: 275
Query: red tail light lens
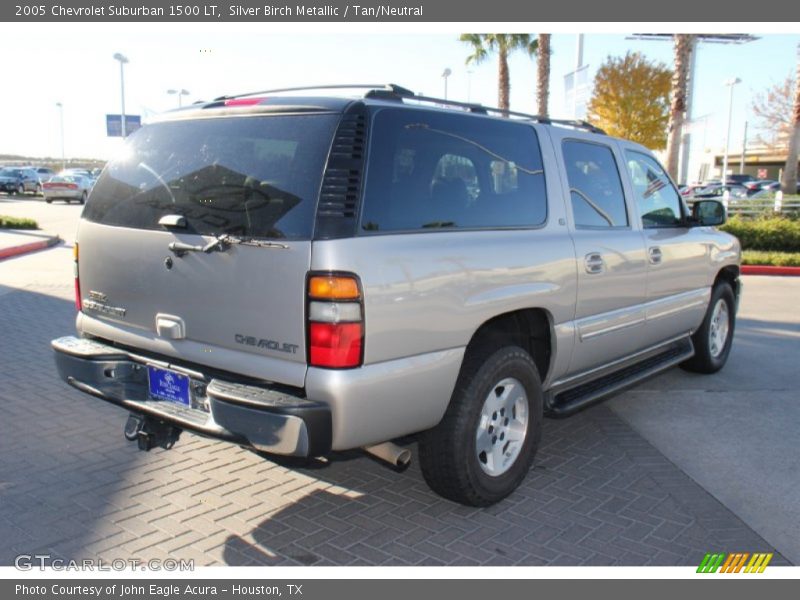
x: 335, y: 321
x: 78, y: 302
x: 336, y: 345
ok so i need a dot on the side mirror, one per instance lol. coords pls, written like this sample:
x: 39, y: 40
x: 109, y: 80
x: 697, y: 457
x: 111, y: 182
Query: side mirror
x: 708, y: 213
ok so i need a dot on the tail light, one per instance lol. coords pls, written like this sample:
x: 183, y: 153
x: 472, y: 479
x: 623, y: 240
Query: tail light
x: 72, y: 186
x: 335, y: 321
x: 78, y: 303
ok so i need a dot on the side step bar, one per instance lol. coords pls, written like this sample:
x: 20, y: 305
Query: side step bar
x: 567, y: 402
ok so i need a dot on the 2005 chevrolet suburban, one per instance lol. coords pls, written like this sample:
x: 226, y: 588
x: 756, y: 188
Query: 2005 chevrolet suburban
x: 303, y: 274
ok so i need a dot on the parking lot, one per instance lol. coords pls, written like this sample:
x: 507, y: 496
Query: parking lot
x: 674, y: 468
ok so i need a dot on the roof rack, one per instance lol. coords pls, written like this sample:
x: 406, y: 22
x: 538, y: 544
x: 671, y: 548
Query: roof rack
x: 394, y: 92
x: 385, y: 87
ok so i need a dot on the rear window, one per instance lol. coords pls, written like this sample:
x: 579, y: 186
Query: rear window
x: 254, y: 177
x: 430, y: 170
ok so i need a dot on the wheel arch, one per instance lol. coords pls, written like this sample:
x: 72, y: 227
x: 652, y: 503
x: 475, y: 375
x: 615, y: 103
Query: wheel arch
x: 730, y: 275
x: 529, y: 328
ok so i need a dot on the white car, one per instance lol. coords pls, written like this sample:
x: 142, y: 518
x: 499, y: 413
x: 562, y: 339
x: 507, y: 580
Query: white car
x: 67, y: 188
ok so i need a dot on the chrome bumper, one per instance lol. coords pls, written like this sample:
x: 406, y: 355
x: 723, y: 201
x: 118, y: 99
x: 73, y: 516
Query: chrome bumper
x: 269, y: 419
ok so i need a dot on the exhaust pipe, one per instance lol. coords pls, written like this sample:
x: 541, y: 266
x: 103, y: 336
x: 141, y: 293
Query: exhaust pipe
x: 391, y: 453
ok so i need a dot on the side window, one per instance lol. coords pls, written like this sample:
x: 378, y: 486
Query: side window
x: 658, y: 201
x: 438, y: 170
x: 594, y: 184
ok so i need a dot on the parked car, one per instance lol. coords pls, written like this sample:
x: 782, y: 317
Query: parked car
x: 43, y: 173
x: 717, y: 191
x: 67, y: 188
x: 18, y: 180
x: 305, y: 282
x: 738, y: 179
x: 77, y: 171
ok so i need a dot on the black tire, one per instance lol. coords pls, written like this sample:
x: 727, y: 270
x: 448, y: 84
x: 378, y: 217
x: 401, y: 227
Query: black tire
x: 448, y: 453
x: 83, y: 198
x: 48, y: 200
x: 707, y: 358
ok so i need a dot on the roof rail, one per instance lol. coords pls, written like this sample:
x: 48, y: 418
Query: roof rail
x: 392, y: 91
x: 391, y: 88
x: 386, y: 93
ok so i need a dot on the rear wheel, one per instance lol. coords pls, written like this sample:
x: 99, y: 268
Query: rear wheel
x: 485, y: 444
x: 83, y: 198
x: 48, y: 200
x: 712, y: 341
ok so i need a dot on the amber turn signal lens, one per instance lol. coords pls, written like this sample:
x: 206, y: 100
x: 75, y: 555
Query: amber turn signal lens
x: 333, y: 288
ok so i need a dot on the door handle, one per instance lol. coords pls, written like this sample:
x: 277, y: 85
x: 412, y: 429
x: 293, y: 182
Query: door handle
x: 593, y: 262
x: 654, y: 254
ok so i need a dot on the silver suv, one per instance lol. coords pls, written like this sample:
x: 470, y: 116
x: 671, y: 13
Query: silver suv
x: 307, y: 274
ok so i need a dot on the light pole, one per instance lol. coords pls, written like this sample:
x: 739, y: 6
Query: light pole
x: 122, y: 60
x: 61, y: 114
x: 730, y: 83
x: 181, y: 92
x: 445, y: 75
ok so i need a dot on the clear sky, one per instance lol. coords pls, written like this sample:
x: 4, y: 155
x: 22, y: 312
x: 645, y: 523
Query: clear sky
x: 73, y: 64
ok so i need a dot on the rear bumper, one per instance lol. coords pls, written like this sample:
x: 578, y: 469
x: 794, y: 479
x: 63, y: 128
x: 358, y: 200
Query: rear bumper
x: 272, y: 420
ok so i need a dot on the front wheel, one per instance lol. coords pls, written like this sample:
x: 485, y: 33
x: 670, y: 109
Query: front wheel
x: 712, y: 341
x: 485, y: 444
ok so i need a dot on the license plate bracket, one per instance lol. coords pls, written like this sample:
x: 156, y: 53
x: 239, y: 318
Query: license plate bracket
x: 168, y: 385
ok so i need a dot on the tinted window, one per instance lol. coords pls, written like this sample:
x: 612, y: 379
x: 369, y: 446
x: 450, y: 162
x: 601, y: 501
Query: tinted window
x: 659, y: 202
x: 246, y: 176
x: 432, y: 170
x: 595, y: 186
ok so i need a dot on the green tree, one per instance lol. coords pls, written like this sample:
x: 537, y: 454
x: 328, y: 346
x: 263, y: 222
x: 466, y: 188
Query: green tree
x: 543, y: 73
x: 484, y: 44
x: 789, y: 178
x: 683, y: 46
x: 631, y: 99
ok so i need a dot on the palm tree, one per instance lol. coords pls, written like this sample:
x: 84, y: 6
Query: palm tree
x: 542, y: 73
x: 504, y: 44
x: 789, y: 177
x: 684, y: 44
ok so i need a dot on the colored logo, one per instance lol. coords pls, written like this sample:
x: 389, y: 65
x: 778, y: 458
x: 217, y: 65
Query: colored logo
x: 735, y: 562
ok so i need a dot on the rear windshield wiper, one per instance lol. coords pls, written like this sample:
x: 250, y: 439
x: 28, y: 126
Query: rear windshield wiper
x: 221, y: 243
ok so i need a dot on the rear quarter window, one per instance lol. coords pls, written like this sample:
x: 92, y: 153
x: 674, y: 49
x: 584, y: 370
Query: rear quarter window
x: 248, y: 176
x: 443, y: 171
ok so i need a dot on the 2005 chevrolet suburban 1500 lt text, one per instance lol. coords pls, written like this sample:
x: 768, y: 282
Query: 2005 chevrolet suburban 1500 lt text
x: 305, y: 274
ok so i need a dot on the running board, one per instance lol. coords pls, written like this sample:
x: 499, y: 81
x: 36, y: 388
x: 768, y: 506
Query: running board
x: 567, y: 402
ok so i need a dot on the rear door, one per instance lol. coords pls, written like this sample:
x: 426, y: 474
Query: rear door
x: 179, y: 186
x: 611, y: 266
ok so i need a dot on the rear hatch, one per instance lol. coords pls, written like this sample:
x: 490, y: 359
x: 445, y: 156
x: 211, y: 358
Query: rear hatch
x: 247, y: 186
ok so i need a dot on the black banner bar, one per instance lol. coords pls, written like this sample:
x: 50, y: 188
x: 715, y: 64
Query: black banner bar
x: 410, y: 11
x: 266, y: 587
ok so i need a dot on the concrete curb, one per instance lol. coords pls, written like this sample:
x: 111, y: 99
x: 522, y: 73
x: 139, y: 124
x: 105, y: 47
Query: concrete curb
x: 770, y: 270
x: 32, y: 247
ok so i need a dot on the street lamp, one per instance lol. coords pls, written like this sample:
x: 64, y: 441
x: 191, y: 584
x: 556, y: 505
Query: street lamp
x: 730, y: 83
x: 61, y: 114
x: 445, y: 75
x: 181, y: 92
x: 122, y: 60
